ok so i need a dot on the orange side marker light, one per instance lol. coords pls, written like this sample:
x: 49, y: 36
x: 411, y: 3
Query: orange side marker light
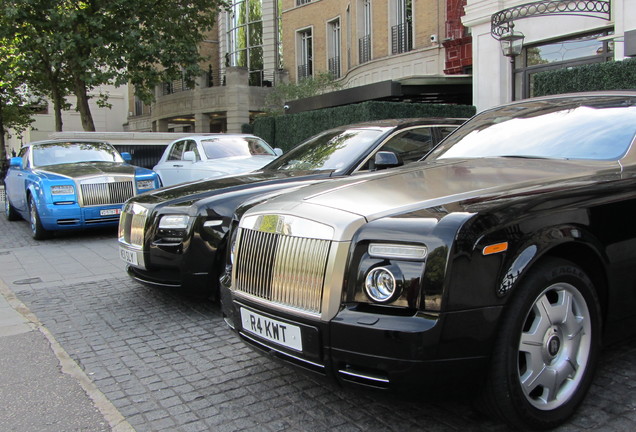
x: 495, y: 248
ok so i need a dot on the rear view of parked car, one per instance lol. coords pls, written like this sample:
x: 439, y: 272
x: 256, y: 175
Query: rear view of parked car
x: 211, y: 156
x: 71, y: 184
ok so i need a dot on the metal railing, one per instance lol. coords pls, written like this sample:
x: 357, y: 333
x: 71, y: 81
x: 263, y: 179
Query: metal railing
x: 401, y: 38
x: 304, y: 71
x: 364, y: 48
x: 334, y: 66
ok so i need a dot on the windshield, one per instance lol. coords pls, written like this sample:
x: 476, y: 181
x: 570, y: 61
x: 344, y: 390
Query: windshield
x: 216, y: 148
x: 602, y: 132
x: 74, y: 152
x: 331, y: 150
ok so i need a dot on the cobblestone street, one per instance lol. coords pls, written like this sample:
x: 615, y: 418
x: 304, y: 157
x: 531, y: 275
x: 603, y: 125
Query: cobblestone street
x: 169, y: 363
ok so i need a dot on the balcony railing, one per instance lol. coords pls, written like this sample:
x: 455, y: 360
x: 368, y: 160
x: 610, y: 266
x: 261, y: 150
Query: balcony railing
x: 334, y: 66
x: 304, y: 71
x: 364, y: 48
x: 401, y: 38
x: 176, y: 86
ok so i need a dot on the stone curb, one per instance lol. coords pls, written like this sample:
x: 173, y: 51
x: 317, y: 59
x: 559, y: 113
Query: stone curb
x: 115, y: 419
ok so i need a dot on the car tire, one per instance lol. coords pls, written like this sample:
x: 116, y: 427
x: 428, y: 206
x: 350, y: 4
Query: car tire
x: 37, y: 230
x: 9, y: 211
x: 547, y: 348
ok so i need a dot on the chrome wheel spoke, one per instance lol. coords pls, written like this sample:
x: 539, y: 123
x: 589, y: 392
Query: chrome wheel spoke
x: 558, y: 313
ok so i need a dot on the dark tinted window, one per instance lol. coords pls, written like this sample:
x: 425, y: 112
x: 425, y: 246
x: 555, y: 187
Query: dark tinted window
x: 331, y: 150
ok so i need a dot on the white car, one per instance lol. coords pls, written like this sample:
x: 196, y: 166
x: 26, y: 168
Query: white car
x: 214, y: 155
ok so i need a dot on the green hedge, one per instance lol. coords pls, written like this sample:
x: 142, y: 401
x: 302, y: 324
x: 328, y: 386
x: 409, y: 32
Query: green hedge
x: 286, y: 131
x: 616, y: 75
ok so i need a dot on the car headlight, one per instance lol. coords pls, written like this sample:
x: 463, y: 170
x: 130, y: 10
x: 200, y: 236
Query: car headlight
x: 170, y: 222
x: 145, y: 184
x: 397, y: 251
x: 62, y: 190
x: 382, y: 285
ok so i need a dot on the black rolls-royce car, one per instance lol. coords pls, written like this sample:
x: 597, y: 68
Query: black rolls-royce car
x: 170, y: 237
x: 503, y: 261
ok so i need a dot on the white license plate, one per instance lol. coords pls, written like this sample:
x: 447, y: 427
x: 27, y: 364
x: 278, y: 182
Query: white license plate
x: 129, y: 256
x: 279, y: 332
x: 109, y: 212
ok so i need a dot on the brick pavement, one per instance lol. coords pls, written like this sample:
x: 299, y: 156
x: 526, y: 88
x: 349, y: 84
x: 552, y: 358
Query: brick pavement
x: 168, y: 362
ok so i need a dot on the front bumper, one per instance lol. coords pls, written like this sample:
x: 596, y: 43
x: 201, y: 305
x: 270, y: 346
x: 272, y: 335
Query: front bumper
x: 183, y: 266
x: 391, y: 352
x: 60, y: 217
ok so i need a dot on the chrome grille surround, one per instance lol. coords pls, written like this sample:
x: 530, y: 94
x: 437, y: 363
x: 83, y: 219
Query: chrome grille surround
x: 281, y: 269
x: 132, y: 224
x: 104, y: 190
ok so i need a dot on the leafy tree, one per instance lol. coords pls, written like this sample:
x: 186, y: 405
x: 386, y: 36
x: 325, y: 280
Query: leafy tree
x: 15, y: 112
x: 74, y: 46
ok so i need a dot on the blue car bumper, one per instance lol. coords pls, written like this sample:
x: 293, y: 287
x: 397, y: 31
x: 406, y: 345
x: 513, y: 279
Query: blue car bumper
x: 59, y: 217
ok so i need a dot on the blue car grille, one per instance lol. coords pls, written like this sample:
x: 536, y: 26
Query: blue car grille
x: 106, y: 193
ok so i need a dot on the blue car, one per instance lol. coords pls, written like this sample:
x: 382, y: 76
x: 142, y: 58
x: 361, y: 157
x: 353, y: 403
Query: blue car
x: 71, y: 184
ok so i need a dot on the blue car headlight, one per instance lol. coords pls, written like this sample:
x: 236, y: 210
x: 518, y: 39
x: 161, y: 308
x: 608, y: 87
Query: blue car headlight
x: 145, y: 184
x: 62, y: 190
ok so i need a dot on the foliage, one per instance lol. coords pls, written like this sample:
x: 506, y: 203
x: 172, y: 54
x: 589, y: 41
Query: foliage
x: 15, y: 112
x: 286, y: 131
x: 307, y: 87
x: 617, y: 75
x: 78, y: 45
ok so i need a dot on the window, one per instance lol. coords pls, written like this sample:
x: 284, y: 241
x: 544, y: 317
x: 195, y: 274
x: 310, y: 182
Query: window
x: 574, y: 51
x: 245, y: 38
x: 139, y: 106
x: 364, y: 41
x: 176, y: 151
x: 401, y: 32
x: 410, y: 145
x: 192, y: 146
x: 333, y: 47
x: 305, y: 54
x: 302, y: 2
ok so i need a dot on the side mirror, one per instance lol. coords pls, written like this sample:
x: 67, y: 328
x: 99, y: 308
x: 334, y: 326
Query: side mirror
x: 15, y: 162
x: 278, y: 151
x: 190, y: 156
x: 126, y: 156
x: 386, y: 159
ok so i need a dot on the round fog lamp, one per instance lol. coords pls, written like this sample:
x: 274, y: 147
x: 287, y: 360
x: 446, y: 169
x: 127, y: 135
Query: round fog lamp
x: 380, y: 285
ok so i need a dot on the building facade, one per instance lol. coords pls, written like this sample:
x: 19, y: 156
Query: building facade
x: 550, y: 34
x: 408, y: 50
x: 105, y: 119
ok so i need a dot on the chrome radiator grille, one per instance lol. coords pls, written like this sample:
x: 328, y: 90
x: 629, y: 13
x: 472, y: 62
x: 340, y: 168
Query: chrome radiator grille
x: 131, y: 228
x: 106, y: 193
x: 286, y: 270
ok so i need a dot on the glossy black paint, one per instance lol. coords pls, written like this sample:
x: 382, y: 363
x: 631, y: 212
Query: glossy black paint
x: 447, y: 318
x: 194, y: 262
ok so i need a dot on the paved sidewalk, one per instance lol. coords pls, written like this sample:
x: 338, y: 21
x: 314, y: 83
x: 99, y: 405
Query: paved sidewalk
x: 85, y: 348
x: 41, y: 388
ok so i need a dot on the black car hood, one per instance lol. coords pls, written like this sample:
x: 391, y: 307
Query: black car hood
x: 186, y: 194
x: 88, y: 169
x: 439, y: 183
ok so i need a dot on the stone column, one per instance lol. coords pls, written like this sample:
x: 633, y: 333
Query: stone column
x: 237, y: 94
x: 161, y: 125
x: 201, y: 123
